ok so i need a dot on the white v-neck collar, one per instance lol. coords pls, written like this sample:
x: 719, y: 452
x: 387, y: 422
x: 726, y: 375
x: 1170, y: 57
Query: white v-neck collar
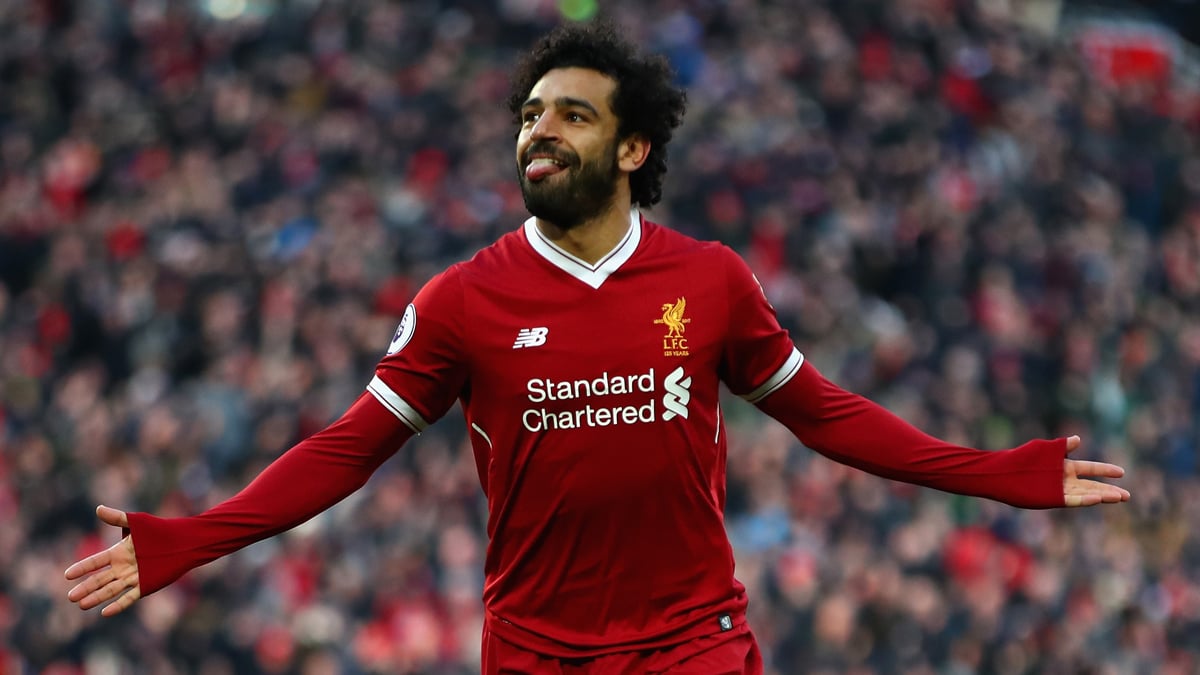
x: 591, y: 274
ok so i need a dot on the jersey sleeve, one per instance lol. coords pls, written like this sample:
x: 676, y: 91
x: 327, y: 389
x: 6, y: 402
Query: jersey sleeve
x: 850, y: 429
x: 759, y: 356
x: 317, y: 473
x: 424, y: 369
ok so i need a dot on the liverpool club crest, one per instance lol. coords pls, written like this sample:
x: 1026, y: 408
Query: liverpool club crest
x: 674, y: 342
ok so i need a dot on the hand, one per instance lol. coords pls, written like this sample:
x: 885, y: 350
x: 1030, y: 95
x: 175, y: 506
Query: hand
x: 1080, y: 492
x: 115, y: 572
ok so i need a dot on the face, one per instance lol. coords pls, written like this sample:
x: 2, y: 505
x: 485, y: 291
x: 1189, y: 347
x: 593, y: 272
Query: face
x: 568, y: 156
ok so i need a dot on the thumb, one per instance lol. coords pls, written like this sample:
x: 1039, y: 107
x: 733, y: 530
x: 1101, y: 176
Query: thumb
x: 1073, y: 443
x: 112, y: 516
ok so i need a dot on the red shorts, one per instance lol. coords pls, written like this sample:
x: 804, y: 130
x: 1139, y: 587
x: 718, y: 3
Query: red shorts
x: 733, y: 653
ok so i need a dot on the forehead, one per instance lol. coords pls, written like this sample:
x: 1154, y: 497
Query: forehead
x: 575, y: 83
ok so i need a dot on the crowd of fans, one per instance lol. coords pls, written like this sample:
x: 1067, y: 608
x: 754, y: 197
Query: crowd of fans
x: 209, y: 226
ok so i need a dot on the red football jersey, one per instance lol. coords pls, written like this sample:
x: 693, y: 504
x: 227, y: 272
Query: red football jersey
x: 591, y: 392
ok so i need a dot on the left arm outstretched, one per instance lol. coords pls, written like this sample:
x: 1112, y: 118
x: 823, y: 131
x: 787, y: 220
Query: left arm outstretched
x: 851, y: 429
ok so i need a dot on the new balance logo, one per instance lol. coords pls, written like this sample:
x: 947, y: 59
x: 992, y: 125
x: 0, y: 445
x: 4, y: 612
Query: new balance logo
x: 678, y: 394
x: 531, y: 337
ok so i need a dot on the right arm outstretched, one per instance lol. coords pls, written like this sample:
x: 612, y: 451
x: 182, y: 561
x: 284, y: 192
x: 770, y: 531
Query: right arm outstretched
x: 304, y: 481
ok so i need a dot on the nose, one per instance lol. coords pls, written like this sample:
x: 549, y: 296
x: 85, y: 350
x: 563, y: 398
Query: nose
x: 544, y: 128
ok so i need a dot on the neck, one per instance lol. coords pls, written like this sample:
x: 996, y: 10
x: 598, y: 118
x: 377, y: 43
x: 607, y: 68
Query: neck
x: 594, y: 238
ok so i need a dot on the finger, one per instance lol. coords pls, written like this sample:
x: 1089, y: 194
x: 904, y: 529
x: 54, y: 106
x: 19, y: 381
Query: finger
x: 1090, y: 493
x: 106, y: 592
x: 112, y: 516
x: 122, y: 603
x: 103, y: 594
x: 1074, y: 501
x: 90, y: 585
x: 1119, y: 493
x: 88, y: 565
x: 1098, y: 469
x: 1073, y: 443
x: 1109, y: 494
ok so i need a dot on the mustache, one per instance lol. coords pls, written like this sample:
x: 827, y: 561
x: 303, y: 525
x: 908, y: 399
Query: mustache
x: 548, y: 149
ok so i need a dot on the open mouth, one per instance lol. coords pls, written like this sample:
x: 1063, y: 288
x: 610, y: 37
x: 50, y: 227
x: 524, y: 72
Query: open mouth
x: 542, y: 167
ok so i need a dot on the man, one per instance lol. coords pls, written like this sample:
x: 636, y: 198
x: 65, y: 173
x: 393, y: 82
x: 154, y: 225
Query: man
x: 586, y: 349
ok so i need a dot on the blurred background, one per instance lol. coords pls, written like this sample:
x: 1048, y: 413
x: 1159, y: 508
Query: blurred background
x: 984, y: 214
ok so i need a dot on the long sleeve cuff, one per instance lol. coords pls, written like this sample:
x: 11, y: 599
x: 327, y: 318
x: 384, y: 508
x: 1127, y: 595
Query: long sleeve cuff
x: 162, y: 550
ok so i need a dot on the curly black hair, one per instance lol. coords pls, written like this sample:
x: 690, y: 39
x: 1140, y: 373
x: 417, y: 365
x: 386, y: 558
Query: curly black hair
x: 645, y: 101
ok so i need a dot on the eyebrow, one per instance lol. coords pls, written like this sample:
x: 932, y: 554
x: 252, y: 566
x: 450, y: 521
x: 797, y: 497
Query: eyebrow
x: 564, y: 102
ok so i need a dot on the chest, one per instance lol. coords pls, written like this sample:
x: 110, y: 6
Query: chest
x: 566, y: 331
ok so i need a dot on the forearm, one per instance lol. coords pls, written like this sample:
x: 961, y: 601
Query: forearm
x: 307, y: 479
x: 855, y: 431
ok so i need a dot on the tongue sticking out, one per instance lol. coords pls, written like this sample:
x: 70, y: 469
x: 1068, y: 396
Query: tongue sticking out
x: 541, y: 168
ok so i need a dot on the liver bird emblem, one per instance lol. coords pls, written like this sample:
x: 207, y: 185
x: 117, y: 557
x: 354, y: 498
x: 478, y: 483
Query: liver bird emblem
x: 673, y: 318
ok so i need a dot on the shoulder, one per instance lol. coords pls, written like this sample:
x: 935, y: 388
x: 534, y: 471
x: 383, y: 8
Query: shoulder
x: 713, y: 256
x: 496, y: 258
x: 712, y: 261
x: 666, y: 240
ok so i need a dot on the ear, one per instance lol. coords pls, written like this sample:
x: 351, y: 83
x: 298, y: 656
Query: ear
x: 632, y: 153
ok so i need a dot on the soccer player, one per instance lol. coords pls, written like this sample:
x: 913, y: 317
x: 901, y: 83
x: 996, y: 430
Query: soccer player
x: 586, y: 348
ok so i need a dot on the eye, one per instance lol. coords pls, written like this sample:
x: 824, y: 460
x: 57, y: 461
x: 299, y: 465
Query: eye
x: 574, y: 117
x: 530, y: 116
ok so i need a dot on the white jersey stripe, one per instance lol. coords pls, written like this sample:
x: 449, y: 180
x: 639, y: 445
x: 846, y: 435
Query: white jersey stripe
x: 398, y: 406
x: 717, y: 437
x: 781, y: 377
x: 478, y: 428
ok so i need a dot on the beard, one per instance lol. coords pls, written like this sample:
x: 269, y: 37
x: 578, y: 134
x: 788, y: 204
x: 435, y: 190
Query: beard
x: 575, y: 195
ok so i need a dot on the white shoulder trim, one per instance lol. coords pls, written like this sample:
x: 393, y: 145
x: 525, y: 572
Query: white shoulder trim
x: 591, y: 274
x: 398, y: 406
x: 781, y: 377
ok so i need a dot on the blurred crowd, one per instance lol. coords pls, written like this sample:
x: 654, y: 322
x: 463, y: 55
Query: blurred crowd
x: 213, y: 213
